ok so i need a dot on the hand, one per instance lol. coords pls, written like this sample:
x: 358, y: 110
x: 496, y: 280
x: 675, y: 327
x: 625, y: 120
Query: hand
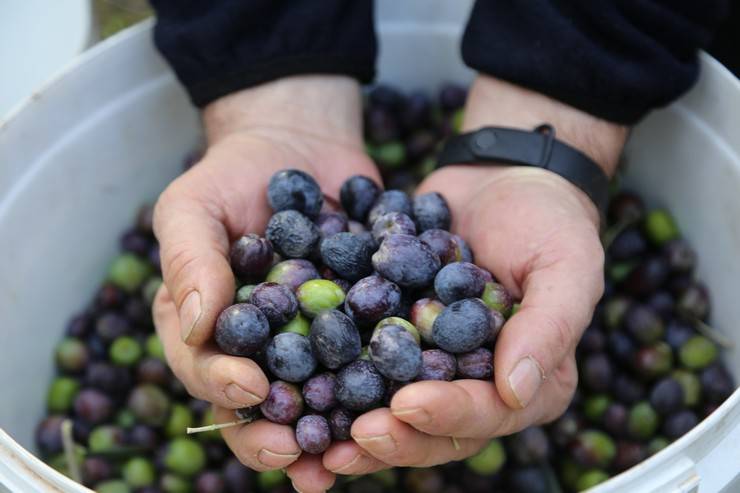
x: 539, y: 236
x: 312, y: 123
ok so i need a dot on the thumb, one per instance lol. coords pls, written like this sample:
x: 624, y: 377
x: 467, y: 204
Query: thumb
x: 558, y: 304
x: 194, y: 251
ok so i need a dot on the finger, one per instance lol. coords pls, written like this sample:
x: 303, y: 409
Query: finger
x: 228, y: 381
x: 478, y: 410
x: 348, y: 458
x: 194, y: 251
x: 309, y: 475
x: 262, y: 445
x: 558, y: 304
x: 396, y: 443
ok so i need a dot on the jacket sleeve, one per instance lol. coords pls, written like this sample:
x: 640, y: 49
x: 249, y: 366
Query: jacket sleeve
x: 220, y: 46
x: 616, y: 59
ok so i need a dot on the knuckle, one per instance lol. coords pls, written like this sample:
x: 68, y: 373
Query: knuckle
x: 248, y: 457
x: 563, y: 333
x: 192, y: 388
x: 209, y: 371
x: 177, y: 268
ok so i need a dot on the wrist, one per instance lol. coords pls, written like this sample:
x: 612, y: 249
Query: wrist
x: 319, y: 106
x: 493, y: 102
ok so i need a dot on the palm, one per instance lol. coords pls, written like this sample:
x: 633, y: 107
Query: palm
x: 524, y: 225
x: 237, y: 169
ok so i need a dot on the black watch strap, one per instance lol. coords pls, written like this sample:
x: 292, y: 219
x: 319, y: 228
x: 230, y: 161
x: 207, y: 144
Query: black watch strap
x: 529, y: 148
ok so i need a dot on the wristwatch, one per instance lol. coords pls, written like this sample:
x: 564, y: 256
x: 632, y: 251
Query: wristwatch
x: 539, y: 148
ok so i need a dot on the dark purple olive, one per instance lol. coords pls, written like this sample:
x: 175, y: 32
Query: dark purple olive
x: 596, y: 372
x: 476, y: 364
x: 530, y: 446
x: 694, y: 302
x: 142, y: 436
x: 593, y: 340
x: 242, y: 330
x: 565, y: 428
x: 284, y: 403
x: 643, y: 323
x: 135, y: 242
x: 110, y: 297
x: 93, y: 406
x: 452, y: 97
x: 358, y: 194
x: 277, y: 303
x: 237, y: 476
x: 663, y: 303
x: 381, y: 125
x: 153, y: 370
x: 625, y: 207
x: 622, y: 347
x: 647, y: 277
x: 677, y: 333
x: 629, y: 454
x: 681, y: 257
x: 667, y: 396
x: 627, y: 245
x: 318, y: 392
x: 416, y: 111
x: 111, y: 325
x: 251, y: 257
x: 628, y: 390
x: 49, y: 435
x: 717, y: 383
x: 372, y: 299
x: 340, y: 422
x: 678, y: 424
x: 615, y: 419
x: 420, y: 144
x: 313, y: 434
x: 79, y: 325
x: 331, y: 223
x: 437, y: 365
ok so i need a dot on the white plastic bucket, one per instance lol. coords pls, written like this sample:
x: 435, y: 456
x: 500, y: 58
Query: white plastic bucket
x: 37, y: 38
x: 111, y: 131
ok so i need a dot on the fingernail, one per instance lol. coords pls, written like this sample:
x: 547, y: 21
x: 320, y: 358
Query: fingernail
x: 240, y: 396
x: 412, y: 415
x: 269, y: 458
x: 190, y: 313
x: 525, y: 379
x: 294, y: 487
x: 357, y: 465
x: 380, y: 444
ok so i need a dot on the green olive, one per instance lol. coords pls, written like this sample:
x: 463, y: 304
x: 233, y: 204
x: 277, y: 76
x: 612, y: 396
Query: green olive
x: 318, y: 295
x: 129, y: 271
x: 488, y: 461
x: 61, y: 395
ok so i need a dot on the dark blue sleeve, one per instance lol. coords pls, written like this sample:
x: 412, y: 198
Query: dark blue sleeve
x: 616, y: 59
x: 220, y: 46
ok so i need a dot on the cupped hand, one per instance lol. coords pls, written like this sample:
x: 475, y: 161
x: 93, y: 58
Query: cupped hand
x: 310, y: 123
x: 539, y: 236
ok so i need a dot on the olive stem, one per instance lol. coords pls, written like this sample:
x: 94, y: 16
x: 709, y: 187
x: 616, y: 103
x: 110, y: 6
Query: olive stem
x: 455, y: 443
x: 69, y: 451
x: 219, y: 426
x: 710, y: 332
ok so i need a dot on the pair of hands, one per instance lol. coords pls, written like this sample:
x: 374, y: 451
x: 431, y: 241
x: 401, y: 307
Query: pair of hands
x: 536, y: 233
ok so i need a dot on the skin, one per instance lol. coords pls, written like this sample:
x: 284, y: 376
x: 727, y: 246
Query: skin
x: 547, y: 228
